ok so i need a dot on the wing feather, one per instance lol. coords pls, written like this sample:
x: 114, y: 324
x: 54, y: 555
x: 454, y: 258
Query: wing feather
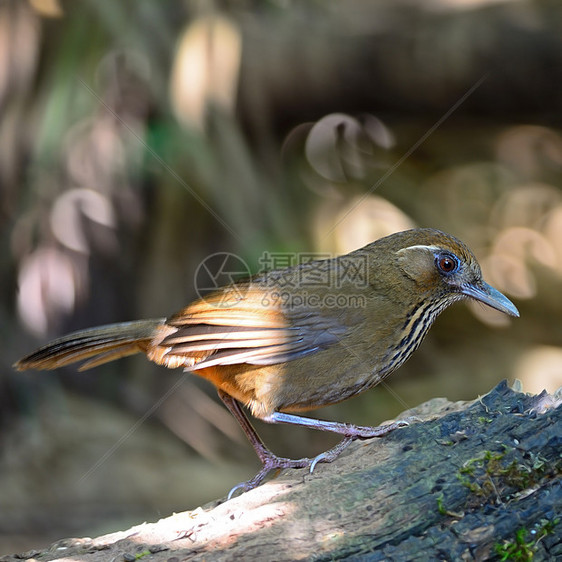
x: 209, y: 333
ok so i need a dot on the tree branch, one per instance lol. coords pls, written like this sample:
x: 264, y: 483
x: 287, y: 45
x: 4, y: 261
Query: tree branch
x: 469, y: 481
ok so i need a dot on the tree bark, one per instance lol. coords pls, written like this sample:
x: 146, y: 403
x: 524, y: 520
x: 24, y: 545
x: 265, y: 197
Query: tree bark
x: 464, y: 481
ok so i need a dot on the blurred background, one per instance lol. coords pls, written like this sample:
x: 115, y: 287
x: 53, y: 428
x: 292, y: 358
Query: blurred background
x: 138, y: 137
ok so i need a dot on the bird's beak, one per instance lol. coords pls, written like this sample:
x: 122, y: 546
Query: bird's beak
x: 490, y: 296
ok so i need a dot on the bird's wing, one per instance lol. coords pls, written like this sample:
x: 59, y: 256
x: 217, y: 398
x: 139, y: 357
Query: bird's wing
x: 225, y: 329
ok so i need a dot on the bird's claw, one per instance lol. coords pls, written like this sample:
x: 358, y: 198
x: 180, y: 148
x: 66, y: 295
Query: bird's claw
x: 248, y: 485
x: 241, y: 486
x: 270, y: 462
x: 331, y: 454
x: 318, y: 458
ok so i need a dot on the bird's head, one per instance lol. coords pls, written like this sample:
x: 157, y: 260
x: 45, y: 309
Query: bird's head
x: 442, y: 266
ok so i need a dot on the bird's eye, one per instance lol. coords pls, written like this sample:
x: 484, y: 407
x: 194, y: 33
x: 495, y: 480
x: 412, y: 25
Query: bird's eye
x: 447, y: 263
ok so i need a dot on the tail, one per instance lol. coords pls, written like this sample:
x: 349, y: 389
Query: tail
x: 102, y: 344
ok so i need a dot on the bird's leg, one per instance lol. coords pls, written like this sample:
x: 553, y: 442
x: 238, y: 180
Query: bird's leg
x: 271, y: 461
x: 346, y: 429
x: 349, y: 431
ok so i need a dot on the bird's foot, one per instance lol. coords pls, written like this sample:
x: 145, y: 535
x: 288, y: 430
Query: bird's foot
x: 366, y: 432
x: 273, y: 462
x: 270, y: 462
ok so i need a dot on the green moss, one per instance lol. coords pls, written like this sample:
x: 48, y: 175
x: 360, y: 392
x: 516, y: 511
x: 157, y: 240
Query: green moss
x: 525, y: 543
x: 444, y: 511
x: 498, y: 475
x: 440, y: 508
x: 518, y: 549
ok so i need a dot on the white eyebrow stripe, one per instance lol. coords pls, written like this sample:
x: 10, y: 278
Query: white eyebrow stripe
x: 420, y: 247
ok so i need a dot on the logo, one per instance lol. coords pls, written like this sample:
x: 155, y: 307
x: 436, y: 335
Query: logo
x: 218, y: 271
x: 287, y: 280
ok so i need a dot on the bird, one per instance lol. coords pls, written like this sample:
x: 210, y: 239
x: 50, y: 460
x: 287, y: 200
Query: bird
x: 295, y: 339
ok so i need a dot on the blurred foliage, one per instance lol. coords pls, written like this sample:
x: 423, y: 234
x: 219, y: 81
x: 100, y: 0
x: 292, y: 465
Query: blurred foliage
x: 139, y: 137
